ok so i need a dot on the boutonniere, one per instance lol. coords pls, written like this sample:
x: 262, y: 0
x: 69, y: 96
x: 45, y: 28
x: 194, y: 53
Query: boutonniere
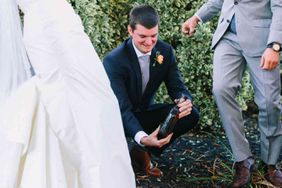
x: 159, y: 58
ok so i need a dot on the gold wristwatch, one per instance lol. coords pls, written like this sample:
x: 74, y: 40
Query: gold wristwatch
x: 275, y: 46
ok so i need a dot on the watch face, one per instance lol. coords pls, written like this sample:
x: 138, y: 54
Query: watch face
x: 276, y: 47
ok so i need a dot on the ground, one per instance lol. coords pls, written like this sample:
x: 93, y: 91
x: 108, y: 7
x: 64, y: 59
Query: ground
x: 201, y: 160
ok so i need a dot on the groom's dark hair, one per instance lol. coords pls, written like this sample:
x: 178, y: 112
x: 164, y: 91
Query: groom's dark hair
x: 144, y: 15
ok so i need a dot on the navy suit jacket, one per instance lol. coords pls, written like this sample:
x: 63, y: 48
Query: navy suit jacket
x: 122, y: 67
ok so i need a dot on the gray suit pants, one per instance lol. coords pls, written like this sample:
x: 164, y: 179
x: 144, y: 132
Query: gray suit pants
x: 229, y: 64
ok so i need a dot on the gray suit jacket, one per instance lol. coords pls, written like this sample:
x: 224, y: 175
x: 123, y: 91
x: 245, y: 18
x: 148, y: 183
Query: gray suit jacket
x: 258, y: 22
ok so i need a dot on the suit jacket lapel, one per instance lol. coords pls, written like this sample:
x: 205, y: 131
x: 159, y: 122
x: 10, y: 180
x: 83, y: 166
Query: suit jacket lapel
x: 134, y: 62
x: 153, y: 64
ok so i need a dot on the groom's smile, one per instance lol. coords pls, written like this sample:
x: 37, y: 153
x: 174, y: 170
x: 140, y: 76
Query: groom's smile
x: 144, y: 39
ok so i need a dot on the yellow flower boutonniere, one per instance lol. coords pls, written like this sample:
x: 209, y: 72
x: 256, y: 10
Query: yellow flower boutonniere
x: 159, y: 58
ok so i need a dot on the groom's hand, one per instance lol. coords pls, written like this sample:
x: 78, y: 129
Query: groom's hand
x: 152, y: 139
x: 185, y: 107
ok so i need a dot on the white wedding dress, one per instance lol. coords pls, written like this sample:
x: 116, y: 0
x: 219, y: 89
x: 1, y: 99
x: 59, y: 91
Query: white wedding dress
x: 62, y: 128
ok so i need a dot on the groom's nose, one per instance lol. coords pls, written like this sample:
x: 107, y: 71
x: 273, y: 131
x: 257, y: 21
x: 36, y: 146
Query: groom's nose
x: 149, y: 41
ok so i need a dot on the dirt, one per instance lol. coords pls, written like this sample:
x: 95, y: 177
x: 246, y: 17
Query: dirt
x: 201, y: 159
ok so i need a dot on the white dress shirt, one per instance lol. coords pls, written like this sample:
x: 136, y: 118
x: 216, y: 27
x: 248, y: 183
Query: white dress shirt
x: 139, y: 134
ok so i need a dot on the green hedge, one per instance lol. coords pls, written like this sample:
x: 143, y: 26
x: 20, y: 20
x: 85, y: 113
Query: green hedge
x: 106, y: 23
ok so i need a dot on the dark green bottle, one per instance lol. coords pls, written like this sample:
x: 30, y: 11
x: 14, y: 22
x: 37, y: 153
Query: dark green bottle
x: 167, y: 126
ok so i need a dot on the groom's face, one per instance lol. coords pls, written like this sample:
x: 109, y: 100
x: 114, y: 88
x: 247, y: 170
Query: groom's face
x: 143, y: 38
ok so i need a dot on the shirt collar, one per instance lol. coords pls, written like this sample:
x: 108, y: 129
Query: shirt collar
x: 138, y: 53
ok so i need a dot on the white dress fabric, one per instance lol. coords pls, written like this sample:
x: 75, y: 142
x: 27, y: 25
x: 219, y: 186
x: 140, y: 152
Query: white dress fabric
x: 14, y: 69
x: 62, y: 128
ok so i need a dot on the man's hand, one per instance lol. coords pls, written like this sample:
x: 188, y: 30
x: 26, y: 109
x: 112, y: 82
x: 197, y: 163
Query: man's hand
x: 185, y: 107
x: 269, y: 59
x: 152, y: 139
x: 189, y: 27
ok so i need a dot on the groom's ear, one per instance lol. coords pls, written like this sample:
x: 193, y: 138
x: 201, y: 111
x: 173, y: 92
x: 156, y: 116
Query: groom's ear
x: 130, y: 30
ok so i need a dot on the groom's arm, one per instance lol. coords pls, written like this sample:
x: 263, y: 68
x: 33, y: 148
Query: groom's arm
x: 174, y: 83
x: 176, y: 87
x: 117, y: 78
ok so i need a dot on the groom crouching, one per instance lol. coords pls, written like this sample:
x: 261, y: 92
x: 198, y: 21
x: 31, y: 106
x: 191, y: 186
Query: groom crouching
x: 136, y: 70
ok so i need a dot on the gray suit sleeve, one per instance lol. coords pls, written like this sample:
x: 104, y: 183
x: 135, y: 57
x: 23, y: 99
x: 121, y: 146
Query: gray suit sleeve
x: 275, y: 34
x: 209, y: 9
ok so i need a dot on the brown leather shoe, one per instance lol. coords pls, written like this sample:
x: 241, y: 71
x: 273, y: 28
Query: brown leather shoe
x: 243, y: 170
x: 141, y: 161
x: 273, y: 175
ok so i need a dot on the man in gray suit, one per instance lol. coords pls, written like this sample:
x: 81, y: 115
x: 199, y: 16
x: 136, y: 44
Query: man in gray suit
x: 249, y: 33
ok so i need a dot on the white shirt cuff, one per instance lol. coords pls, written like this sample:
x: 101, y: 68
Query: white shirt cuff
x: 138, y: 137
x: 199, y: 18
